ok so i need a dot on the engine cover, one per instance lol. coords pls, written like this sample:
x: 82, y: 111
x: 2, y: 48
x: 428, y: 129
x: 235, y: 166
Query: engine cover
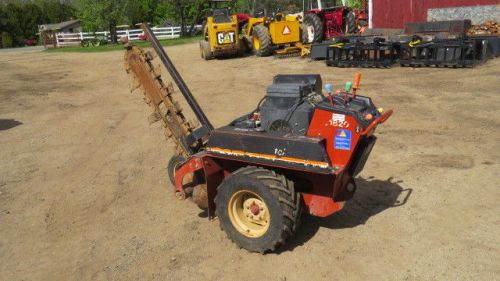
x: 286, y: 108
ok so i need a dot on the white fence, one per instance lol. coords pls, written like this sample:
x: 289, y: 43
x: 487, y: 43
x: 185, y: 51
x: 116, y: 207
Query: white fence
x: 74, y: 39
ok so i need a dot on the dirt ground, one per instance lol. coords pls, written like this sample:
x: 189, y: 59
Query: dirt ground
x: 84, y: 193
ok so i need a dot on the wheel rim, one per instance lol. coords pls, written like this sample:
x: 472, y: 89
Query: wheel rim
x: 256, y: 42
x: 249, y: 214
x: 310, y: 33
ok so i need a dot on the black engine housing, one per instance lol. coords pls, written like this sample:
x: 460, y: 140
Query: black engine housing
x: 286, y: 107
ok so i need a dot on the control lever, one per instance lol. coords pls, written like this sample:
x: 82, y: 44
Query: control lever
x: 357, y: 80
x: 329, y: 90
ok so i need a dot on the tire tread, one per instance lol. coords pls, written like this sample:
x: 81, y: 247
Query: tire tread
x: 283, y: 191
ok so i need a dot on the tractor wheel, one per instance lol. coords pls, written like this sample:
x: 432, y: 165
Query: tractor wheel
x: 312, y: 29
x: 205, y: 51
x: 350, y: 23
x: 204, y: 30
x: 173, y: 165
x: 247, y: 43
x: 244, y: 29
x: 242, y: 48
x: 258, y: 209
x: 261, y: 41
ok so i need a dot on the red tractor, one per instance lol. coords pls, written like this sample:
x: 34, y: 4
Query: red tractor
x: 325, y: 19
x: 300, y: 149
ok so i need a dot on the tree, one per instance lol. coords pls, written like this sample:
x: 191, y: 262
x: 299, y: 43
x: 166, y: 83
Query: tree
x: 355, y: 4
x: 54, y: 11
x: 104, y: 14
x: 13, y: 14
x: 19, y: 20
x: 28, y: 23
x: 183, y: 10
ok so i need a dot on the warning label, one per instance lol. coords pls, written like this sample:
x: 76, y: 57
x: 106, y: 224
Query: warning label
x: 342, y: 140
x: 286, y: 30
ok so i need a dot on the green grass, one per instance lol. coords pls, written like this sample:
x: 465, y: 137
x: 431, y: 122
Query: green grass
x: 115, y: 47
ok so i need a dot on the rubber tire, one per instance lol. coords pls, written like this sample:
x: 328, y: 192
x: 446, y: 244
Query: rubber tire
x: 279, y: 194
x: 247, y: 45
x: 266, y: 47
x: 173, y: 165
x: 313, y: 20
x: 205, y: 51
x: 242, y: 48
x: 350, y: 21
x: 243, y: 30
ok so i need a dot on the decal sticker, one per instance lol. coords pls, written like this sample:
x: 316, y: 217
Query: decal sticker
x: 338, y: 120
x: 225, y: 37
x: 286, y: 30
x: 338, y: 117
x: 280, y: 152
x: 342, y: 140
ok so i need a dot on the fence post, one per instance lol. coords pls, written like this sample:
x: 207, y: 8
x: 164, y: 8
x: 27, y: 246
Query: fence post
x: 57, y: 39
x: 128, y: 34
x: 81, y: 36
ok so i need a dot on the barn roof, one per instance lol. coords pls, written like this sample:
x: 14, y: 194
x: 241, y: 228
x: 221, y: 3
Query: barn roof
x: 58, y: 26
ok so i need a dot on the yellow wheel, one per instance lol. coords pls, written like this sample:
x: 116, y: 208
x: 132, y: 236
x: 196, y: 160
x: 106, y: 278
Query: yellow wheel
x: 256, y: 42
x: 205, y: 50
x: 257, y: 208
x: 249, y: 213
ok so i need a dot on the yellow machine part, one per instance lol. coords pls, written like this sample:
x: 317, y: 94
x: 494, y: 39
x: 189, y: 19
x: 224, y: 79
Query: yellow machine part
x: 284, y: 32
x: 223, y: 37
x: 298, y: 48
x: 251, y: 23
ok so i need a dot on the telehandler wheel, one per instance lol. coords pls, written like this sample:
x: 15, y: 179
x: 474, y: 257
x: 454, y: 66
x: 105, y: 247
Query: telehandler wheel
x: 350, y: 23
x: 173, y: 165
x: 205, y: 51
x: 242, y: 48
x: 204, y: 30
x: 258, y: 209
x: 312, y: 29
x: 261, y: 41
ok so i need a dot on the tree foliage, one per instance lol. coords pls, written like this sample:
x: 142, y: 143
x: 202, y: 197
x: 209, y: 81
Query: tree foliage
x: 19, y: 20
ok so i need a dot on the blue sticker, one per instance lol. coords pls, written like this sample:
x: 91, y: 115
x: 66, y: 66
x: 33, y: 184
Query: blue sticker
x: 342, y: 140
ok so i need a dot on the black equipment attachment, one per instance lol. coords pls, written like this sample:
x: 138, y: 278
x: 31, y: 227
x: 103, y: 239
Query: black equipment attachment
x: 177, y: 78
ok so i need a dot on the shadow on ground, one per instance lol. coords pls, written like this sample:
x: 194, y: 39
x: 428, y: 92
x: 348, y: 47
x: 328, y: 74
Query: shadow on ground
x: 371, y: 198
x: 6, y: 124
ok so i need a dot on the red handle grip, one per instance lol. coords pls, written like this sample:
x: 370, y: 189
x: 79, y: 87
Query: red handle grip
x: 381, y: 119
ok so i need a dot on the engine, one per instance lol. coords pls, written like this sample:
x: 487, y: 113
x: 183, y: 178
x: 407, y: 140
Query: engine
x: 289, y: 104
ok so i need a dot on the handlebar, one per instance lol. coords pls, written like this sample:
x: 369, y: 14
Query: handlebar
x: 381, y: 119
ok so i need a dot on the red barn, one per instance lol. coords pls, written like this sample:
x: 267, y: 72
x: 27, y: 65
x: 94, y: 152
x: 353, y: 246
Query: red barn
x: 395, y: 13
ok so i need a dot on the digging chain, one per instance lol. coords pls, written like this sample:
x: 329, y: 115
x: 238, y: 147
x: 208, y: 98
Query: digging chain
x: 146, y: 78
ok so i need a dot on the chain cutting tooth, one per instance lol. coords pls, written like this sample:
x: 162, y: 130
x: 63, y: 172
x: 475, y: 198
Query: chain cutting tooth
x: 147, y: 77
